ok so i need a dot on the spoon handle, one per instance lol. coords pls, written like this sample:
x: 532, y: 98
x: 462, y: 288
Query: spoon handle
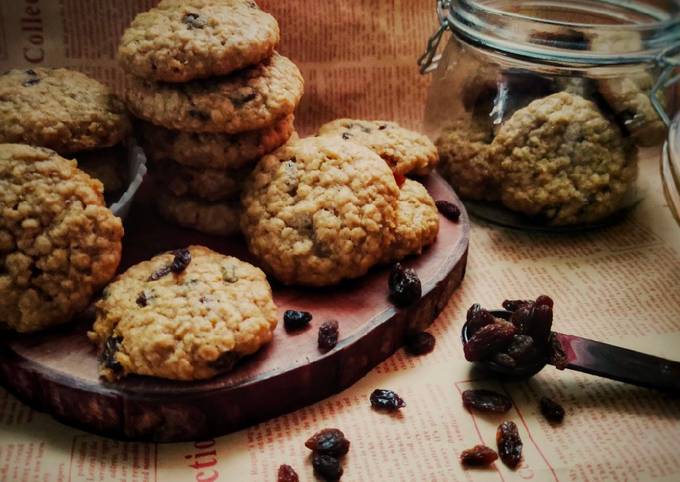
x: 620, y: 364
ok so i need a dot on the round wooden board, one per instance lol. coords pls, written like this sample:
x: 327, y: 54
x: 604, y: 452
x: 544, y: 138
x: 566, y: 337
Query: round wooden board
x: 56, y: 371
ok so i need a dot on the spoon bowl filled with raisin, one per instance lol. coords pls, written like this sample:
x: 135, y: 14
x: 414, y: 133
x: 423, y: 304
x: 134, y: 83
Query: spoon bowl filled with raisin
x: 518, y: 342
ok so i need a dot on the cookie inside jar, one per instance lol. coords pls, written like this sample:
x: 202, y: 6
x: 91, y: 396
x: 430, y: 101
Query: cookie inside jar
x: 539, y: 115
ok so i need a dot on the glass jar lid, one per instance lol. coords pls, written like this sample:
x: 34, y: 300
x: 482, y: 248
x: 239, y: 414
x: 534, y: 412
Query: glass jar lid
x: 575, y: 33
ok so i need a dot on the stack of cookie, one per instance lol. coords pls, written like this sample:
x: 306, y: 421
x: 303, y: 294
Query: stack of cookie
x: 214, y: 96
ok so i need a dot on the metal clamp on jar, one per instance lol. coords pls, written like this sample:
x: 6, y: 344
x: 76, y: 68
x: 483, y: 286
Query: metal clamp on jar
x: 538, y: 108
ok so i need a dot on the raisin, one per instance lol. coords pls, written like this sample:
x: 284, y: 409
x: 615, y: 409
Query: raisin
x: 509, y: 444
x: 420, y: 343
x: 294, y: 320
x: 551, y: 410
x: 326, y: 467
x: 31, y: 72
x: 142, y: 300
x: 556, y: 355
x: 229, y: 274
x: 449, y: 210
x: 287, y: 474
x: 521, y: 348
x: 404, y: 286
x: 181, y: 261
x: 346, y: 136
x: 505, y: 360
x: 199, y: 114
x: 382, y: 127
x: 31, y: 81
x: 328, y: 335
x: 241, y: 99
x: 225, y: 361
x: 486, y: 401
x: 329, y: 441
x: 478, y: 317
x: 386, y: 400
x: 514, y: 305
x: 522, y: 317
x: 108, y: 355
x: 544, y: 300
x: 478, y: 456
x: 488, y: 340
x: 541, y: 324
x: 194, y: 20
x: 159, y: 273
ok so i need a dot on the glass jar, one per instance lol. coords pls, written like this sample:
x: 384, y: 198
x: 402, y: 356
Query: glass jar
x: 670, y: 169
x: 539, y: 108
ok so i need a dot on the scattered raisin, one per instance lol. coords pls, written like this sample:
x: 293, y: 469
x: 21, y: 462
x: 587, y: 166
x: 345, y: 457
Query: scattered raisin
x: 142, y: 300
x: 420, y: 343
x: 386, y: 400
x: 346, y: 136
x: 486, y: 401
x: 294, y: 320
x: 551, y: 410
x: 488, y: 340
x: 521, y: 348
x: 509, y: 444
x: 514, y: 305
x: 108, y: 355
x: 556, y: 355
x: 544, y: 300
x: 478, y: 456
x: 30, y: 72
x: 287, y: 474
x: 541, y: 324
x: 404, y: 285
x: 505, y: 360
x: 159, y: 273
x: 449, y: 210
x: 329, y: 441
x: 326, y: 466
x: 328, y: 335
x: 181, y: 261
x: 194, y: 20
x: 478, y: 317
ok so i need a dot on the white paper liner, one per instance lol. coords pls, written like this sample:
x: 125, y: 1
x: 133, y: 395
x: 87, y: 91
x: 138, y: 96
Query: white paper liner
x: 136, y: 172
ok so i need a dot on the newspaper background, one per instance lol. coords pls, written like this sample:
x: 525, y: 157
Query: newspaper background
x: 620, y: 285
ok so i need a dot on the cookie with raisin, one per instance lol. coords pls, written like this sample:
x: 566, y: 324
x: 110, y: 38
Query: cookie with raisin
x: 60, y: 109
x: 59, y: 244
x: 404, y: 150
x: 189, y: 314
x: 319, y: 210
x: 183, y: 41
x: 250, y: 99
x: 220, y: 218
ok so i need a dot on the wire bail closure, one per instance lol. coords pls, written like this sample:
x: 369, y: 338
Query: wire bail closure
x: 429, y: 60
x: 669, y: 60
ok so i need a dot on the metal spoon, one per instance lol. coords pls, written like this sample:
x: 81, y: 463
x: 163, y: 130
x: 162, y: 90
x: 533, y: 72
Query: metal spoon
x: 597, y: 358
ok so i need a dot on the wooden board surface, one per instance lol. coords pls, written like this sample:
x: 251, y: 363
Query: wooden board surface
x: 56, y: 371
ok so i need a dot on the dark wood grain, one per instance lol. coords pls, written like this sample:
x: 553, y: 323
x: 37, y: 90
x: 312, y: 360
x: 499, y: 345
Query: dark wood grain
x: 56, y: 371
